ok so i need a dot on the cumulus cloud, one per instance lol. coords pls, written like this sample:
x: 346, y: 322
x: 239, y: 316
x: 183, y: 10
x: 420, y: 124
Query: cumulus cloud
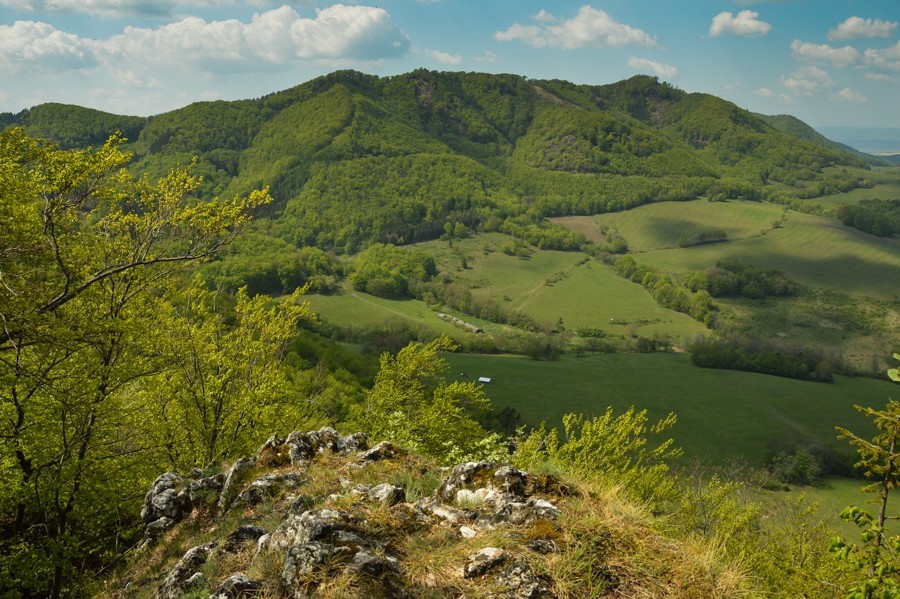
x: 665, y: 71
x: 488, y: 56
x: 764, y: 92
x: 806, y: 81
x: 856, y: 27
x: 745, y: 23
x: 848, y: 95
x: 839, y: 57
x: 590, y: 28
x: 35, y: 45
x: 444, y: 57
x: 275, y: 37
x: 881, y: 78
x: 124, y: 8
x: 887, y: 58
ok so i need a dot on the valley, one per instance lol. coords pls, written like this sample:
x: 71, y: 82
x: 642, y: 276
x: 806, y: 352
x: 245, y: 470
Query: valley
x: 205, y: 278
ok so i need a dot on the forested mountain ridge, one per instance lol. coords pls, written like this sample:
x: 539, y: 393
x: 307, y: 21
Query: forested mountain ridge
x: 352, y: 159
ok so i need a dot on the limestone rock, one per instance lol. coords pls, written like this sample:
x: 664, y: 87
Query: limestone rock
x: 383, y: 451
x: 233, y: 480
x: 308, y: 526
x: 182, y: 576
x: 385, y: 493
x: 484, y: 561
x: 237, y: 585
x: 266, y: 487
x: 301, y: 561
x: 156, y: 529
x: 241, y: 537
x: 164, y: 500
x: 466, y: 476
x: 366, y: 562
x: 204, y: 489
x: 523, y: 583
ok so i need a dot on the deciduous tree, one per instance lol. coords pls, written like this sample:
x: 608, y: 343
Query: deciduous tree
x: 84, y: 249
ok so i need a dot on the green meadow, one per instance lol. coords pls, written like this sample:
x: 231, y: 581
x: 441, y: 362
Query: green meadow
x: 886, y: 187
x: 551, y: 285
x: 722, y: 415
x: 813, y: 250
x: 660, y: 225
x: 349, y: 308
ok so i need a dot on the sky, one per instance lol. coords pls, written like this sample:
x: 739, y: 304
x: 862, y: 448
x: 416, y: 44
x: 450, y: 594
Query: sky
x: 827, y: 62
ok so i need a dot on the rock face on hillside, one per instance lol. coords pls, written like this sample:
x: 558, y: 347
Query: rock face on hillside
x: 311, y: 512
x: 320, y: 515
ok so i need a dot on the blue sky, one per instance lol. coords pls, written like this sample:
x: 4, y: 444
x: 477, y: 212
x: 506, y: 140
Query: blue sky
x: 828, y: 62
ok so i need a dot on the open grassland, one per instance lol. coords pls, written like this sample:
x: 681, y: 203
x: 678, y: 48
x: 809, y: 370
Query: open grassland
x: 350, y: 308
x: 863, y: 331
x: 723, y: 415
x: 813, y: 250
x: 550, y: 285
x: 586, y: 225
x: 660, y: 225
x: 887, y: 187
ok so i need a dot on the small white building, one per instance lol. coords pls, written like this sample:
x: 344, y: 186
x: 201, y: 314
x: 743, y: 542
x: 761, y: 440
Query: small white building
x: 484, y: 379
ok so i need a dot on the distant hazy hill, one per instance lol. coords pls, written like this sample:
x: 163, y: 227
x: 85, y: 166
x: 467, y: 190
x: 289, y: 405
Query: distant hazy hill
x: 353, y: 158
x: 874, y: 140
x: 794, y: 126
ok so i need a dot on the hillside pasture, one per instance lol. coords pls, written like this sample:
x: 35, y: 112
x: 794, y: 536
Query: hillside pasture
x: 887, y: 187
x: 722, y: 415
x: 354, y: 309
x: 586, y: 225
x: 551, y: 285
x: 813, y: 250
x: 660, y: 225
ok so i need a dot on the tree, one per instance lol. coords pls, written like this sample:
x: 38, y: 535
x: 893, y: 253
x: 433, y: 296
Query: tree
x: 90, y: 248
x: 608, y: 446
x: 223, y: 389
x: 879, y: 554
x: 413, y: 405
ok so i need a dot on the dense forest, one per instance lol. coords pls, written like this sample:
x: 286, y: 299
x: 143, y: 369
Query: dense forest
x: 353, y: 159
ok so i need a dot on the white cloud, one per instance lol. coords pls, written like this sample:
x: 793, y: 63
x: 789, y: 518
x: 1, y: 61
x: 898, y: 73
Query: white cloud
x: 274, y: 37
x: 855, y: 27
x: 839, y: 57
x: 124, y: 8
x: 785, y: 98
x: 488, y: 56
x: 745, y: 23
x: 881, y: 78
x: 34, y: 45
x: 848, y: 95
x: 806, y: 81
x: 590, y: 28
x: 544, y: 17
x: 764, y: 92
x: 888, y: 58
x: 666, y: 71
x: 444, y: 57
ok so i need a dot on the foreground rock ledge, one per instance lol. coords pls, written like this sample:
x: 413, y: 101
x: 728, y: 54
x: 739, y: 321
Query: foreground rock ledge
x: 318, y: 539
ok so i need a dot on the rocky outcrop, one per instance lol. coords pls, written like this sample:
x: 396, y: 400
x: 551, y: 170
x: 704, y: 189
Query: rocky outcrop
x: 185, y: 576
x: 237, y: 585
x: 171, y: 498
x: 323, y: 535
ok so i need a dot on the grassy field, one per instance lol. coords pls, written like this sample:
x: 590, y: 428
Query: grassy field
x: 887, y: 187
x: 350, y: 308
x: 721, y: 414
x: 660, y: 225
x: 813, y: 250
x: 551, y: 285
